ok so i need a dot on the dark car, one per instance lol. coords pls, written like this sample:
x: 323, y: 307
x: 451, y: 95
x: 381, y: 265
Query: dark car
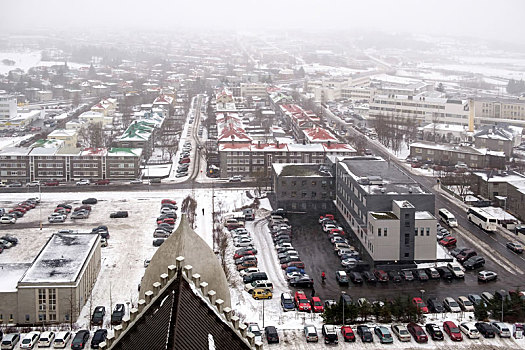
x: 475, y: 299
x: 364, y: 332
x: 355, y: 277
x: 90, y: 201
x: 381, y: 275
x: 271, y: 334
x: 395, y: 276
x: 369, y: 277
x: 256, y: 276
x: 434, y: 331
x: 98, y: 316
x: 51, y: 183
x: 345, y: 299
x: 417, y: 332
x: 435, y: 305
x: 302, y: 281
x: 486, y: 329
x: 445, y: 273
x: 432, y: 273
x: 474, y: 262
x: 516, y: 247
x: 118, y: 314
x: 158, y: 242
x: 80, y: 340
x: 99, y: 336
x: 102, y: 230
x: 102, y: 182
x: 119, y: 214
x: 407, y: 275
x: 421, y: 275
x: 466, y: 254
x: 10, y: 239
x: 341, y: 277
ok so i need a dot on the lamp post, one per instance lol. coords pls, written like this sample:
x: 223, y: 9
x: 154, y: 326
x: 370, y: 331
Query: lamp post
x: 422, y: 291
x: 40, y: 207
x: 344, y: 305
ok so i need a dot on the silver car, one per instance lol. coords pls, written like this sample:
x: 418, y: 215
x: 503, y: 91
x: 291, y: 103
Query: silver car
x: 401, y: 332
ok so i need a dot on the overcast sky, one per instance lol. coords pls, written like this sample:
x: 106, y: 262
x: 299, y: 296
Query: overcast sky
x: 497, y: 19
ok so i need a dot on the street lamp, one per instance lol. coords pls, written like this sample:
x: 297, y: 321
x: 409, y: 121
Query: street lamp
x: 422, y: 291
x: 344, y: 304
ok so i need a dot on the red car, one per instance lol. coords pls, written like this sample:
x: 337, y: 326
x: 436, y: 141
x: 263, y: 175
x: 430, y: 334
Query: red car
x: 381, y: 275
x: 20, y: 209
x: 337, y: 231
x: 452, y: 330
x: 27, y: 204
x: 184, y: 160
x: 57, y: 209
x: 298, y: 264
x: 52, y: 183
x: 170, y: 201
x: 347, y: 333
x: 417, y: 332
x: 301, y: 301
x: 83, y: 207
x: 448, y: 241
x: 166, y: 221
x: 317, y: 304
x: 420, y: 304
x: 243, y: 253
x: 326, y: 216
x: 102, y: 182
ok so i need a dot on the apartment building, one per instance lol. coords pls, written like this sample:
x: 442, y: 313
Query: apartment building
x: 55, y: 286
x: 499, y: 138
x: 422, y: 108
x: 451, y: 155
x: 253, y: 90
x: 372, y: 193
x: 8, y: 107
x: 491, y: 110
x: 303, y: 187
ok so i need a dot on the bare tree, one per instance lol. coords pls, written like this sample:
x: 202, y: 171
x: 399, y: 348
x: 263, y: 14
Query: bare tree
x: 93, y: 135
x: 189, y: 206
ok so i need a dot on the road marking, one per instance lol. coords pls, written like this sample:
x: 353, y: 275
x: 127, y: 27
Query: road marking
x: 498, y: 259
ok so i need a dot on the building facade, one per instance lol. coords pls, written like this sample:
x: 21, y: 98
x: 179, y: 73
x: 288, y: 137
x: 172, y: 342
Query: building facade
x: 8, y: 107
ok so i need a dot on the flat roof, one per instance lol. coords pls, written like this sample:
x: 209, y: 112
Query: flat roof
x: 384, y: 215
x: 391, y: 179
x: 302, y: 170
x: 11, y: 274
x: 424, y: 215
x: 61, y: 259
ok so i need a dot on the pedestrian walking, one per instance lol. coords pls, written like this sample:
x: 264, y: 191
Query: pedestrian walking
x: 313, y: 292
x: 202, y: 211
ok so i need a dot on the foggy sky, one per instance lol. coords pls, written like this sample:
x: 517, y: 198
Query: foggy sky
x: 497, y: 19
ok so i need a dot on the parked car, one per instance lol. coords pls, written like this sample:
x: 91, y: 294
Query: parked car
x: 303, y: 281
x: 355, y: 277
x: 98, y: 316
x: 445, y: 273
x: 383, y: 334
x: 452, y: 330
x: 432, y: 273
x: 80, y: 340
x: 271, y: 334
x: 466, y: 254
x: 61, y: 339
x: 420, y: 304
x: 158, y: 242
x: 456, y: 270
x: 329, y: 334
x: 465, y: 304
x: 381, y: 276
x: 469, y: 329
x: 10, y: 340
x: 364, y: 332
x: 501, y: 329
x: 434, y: 331
x: 401, y: 332
x: 341, y: 277
x: 7, y: 220
x: 475, y: 299
x: 421, y: 275
x: 448, y: 241
x: 394, y: 276
x: 46, y: 339
x: 417, y: 332
x: 310, y: 333
x: 407, y: 275
x: 347, y: 333
x: 485, y: 329
x: 99, y: 337
x: 369, y: 277
x: 51, y: 183
x: 118, y: 313
x: 474, y: 262
x: 451, y: 305
x: 287, y: 302
x: 260, y: 293
x: 90, y: 201
x: 487, y: 297
x: 486, y: 276
x: 83, y: 183
x: 301, y: 301
x: 119, y: 214
x: 102, y: 182
x: 316, y: 305
x: 30, y: 340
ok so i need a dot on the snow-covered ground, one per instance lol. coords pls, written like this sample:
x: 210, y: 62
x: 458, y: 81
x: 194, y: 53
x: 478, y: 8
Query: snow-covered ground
x: 29, y: 59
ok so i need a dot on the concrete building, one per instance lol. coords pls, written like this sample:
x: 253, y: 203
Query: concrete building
x: 254, y: 90
x: 368, y: 185
x: 451, y: 155
x: 497, y: 138
x: 93, y: 117
x: 402, y: 234
x: 69, y: 136
x: 303, y: 187
x: 422, y: 108
x: 8, y: 107
x: 492, y: 110
x: 55, y: 287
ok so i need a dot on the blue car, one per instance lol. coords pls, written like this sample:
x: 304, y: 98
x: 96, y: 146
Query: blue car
x: 294, y: 269
x: 287, y: 302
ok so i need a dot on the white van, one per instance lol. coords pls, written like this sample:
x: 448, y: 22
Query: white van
x: 61, y: 339
x: 448, y: 217
x: 10, y: 340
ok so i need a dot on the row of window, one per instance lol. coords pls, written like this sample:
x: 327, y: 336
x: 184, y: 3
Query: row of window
x: 12, y: 173
x: 324, y: 183
x: 304, y: 194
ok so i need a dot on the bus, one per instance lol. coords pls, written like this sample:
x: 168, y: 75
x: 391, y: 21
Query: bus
x: 481, y: 218
x: 448, y: 217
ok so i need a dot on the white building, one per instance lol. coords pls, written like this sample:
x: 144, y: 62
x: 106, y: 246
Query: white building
x: 253, y: 90
x: 7, y: 107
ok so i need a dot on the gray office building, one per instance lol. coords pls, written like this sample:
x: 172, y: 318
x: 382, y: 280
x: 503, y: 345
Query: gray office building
x: 372, y: 185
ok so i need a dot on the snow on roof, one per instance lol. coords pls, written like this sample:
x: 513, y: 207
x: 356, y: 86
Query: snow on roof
x: 11, y: 274
x: 338, y: 147
x: 62, y: 133
x: 424, y: 215
x: 318, y: 134
x: 501, y: 177
x: 94, y: 152
x: 124, y: 152
x: 138, y: 131
x: 46, y: 147
x: 384, y: 215
x: 499, y: 213
x: 8, y: 151
x: 61, y: 259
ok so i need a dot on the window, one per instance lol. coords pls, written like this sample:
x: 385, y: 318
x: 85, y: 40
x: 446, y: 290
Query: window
x: 41, y: 299
x: 293, y: 194
x: 52, y: 299
x: 428, y: 231
x: 415, y: 231
x: 314, y: 183
x: 379, y: 232
x: 406, y: 255
x: 385, y: 232
x: 407, y: 238
x: 422, y: 231
x: 52, y: 317
x: 27, y: 318
x: 303, y: 183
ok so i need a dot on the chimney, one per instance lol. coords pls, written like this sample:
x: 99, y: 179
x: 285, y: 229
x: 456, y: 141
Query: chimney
x: 471, y: 115
x: 277, y: 142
